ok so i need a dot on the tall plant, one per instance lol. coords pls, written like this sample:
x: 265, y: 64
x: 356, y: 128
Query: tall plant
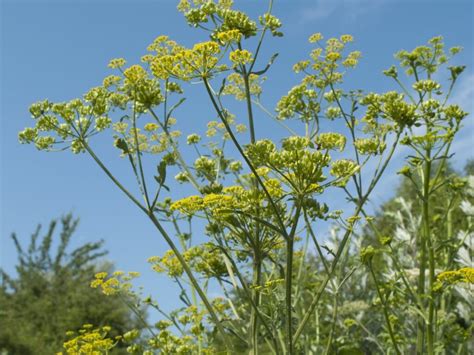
x: 256, y: 196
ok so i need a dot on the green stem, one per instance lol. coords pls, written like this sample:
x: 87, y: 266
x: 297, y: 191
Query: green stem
x: 248, y: 98
x: 139, y: 158
x: 248, y: 294
x: 257, y: 279
x: 431, y: 258
x: 170, y: 242
x: 344, y: 241
x: 385, y: 310
x: 333, y: 324
x: 241, y: 152
x: 193, y: 280
x: 288, y: 281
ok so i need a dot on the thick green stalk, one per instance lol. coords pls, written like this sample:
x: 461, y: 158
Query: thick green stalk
x: 431, y: 259
x: 385, y: 310
x: 288, y: 281
x: 257, y: 279
x: 289, y: 307
x: 333, y: 324
x: 248, y: 98
x: 257, y: 267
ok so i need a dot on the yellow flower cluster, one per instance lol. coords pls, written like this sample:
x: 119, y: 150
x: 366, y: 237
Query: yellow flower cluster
x: 269, y: 286
x: 231, y: 36
x: 188, y: 205
x: 343, y: 169
x: 324, y: 62
x: 115, y: 283
x: 331, y: 141
x: 89, y: 340
x: 464, y: 275
x: 174, y: 61
x: 204, y: 259
x: 368, y: 146
x: 215, y: 127
x: 235, y: 86
x: 240, y: 57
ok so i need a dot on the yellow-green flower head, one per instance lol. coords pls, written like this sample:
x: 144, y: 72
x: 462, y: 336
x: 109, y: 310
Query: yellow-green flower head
x: 343, y: 169
x: 205, y: 167
x: 301, y: 66
x: 299, y: 100
x: 295, y: 143
x: 464, y: 275
x: 188, y: 205
x: 117, y: 63
x: 329, y: 141
x: 230, y: 36
x: 233, y: 19
x: 396, y: 109
x: 193, y: 139
x: 333, y: 56
x: 352, y: 59
x: 167, y: 263
x: 240, y: 57
x: 333, y: 112
x: 102, y: 122
x: 346, y: 38
x: 150, y: 127
x: 426, y: 86
x: 259, y: 152
x: 120, y: 127
x: 235, y: 86
x: 174, y: 87
x: 28, y: 135
x: 235, y: 166
x: 272, y: 23
x: 77, y: 146
x: 315, y: 37
x: 90, y: 341
x: 111, y: 80
x: 368, y: 146
x: 186, y: 64
x: 39, y: 108
x: 334, y: 45
x: 454, y: 112
x: 367, y: 253
x: 182, y: 177
x: 44, y: 142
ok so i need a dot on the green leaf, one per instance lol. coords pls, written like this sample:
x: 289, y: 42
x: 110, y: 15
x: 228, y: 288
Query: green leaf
x: 270, y: 62
x: 161, y: 177
x: 121, y: 144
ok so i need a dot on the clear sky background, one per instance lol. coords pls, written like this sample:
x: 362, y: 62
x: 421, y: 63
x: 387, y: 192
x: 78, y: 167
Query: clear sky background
x: 60, y: 49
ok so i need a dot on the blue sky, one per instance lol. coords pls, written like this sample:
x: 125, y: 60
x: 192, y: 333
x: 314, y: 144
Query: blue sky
x: 60, y: 49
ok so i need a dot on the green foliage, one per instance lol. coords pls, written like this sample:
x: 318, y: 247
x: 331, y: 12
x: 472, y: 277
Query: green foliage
x: 50, y: 293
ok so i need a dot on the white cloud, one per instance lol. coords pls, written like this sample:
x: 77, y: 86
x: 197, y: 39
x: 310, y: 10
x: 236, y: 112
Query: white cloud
x: 320, y: 9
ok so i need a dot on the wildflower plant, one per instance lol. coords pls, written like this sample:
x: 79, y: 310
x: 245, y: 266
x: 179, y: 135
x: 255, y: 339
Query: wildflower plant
x: 261, y: 209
